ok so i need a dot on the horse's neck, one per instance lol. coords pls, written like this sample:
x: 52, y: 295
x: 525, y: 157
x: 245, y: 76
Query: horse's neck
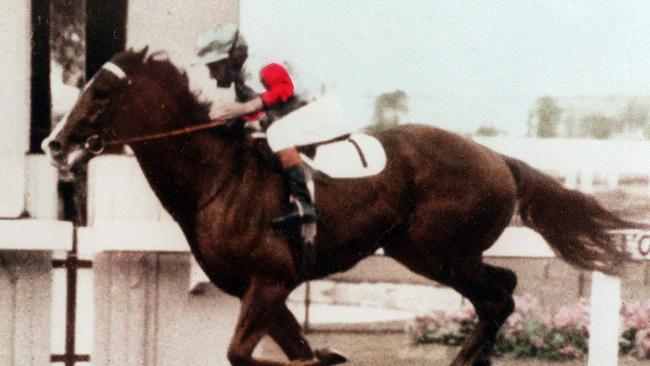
x: 186, y: 172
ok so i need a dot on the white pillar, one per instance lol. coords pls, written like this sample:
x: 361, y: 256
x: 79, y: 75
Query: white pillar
x: 15, y: 73
x: 604, y: 320
x: 41, y: 194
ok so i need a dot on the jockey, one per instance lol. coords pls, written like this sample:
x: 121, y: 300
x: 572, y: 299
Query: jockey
x: 225, y: 52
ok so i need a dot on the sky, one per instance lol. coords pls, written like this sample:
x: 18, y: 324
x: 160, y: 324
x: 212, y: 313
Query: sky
x: 463, y: 63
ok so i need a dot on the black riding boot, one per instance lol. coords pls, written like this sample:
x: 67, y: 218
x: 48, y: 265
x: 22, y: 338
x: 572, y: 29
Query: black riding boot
x: 303, y: 210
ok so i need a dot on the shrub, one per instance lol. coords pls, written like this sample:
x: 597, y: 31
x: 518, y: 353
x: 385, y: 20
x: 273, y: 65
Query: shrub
x: 529, y: 333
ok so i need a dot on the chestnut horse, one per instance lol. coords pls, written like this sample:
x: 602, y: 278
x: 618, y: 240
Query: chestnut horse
x: 440, y: 202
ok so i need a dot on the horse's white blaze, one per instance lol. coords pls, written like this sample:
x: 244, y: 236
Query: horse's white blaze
x: 88, y: 84
x: 55, y: 132
x: 115, y: 70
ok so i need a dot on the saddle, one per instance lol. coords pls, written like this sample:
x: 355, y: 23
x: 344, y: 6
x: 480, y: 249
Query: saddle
x: 349, y: 156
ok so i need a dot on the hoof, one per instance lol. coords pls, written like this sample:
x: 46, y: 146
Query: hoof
x: 328, y: 356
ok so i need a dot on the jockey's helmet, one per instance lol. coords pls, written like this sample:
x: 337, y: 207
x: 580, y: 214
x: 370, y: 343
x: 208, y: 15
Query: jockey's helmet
x: 216, y: 44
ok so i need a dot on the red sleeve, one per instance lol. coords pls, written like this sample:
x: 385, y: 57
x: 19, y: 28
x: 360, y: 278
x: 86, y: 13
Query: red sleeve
x: 278, y: 84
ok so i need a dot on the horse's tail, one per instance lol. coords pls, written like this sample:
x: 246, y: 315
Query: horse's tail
x: 574, y: 224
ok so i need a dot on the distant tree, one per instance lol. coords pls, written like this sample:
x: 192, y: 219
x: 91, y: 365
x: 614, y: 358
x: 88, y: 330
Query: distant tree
x: 488, y: 131
x: 543, y: 120
x: 599, y: 126
x: 67, y: 19
x: 634, y: 116
x: 388, y: 109
x: 571, y: 129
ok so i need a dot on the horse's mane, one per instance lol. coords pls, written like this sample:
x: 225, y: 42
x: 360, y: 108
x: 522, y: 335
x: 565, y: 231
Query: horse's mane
x: 161, y: 68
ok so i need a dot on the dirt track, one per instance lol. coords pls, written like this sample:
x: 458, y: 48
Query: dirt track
x: 395, y: 349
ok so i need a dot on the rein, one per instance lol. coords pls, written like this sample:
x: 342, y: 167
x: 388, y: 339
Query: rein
x: 96, y: 144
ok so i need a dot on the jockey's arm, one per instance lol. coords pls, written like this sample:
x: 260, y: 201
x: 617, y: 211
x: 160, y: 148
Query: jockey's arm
x: 279, y: 88
x: 237, y: 109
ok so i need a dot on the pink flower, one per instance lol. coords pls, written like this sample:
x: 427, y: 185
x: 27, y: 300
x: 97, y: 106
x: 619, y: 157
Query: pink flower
x: 571, y: 352
x: 572, y: 316
x: 526, y: 304
x: 642, y: 341
x: 636, y: 315
x: 515, y: 322
x: 463, y: 315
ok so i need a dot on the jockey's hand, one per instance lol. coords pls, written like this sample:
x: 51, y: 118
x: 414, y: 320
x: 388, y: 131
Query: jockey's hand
x: 236, y: 109
x: 234, y: 126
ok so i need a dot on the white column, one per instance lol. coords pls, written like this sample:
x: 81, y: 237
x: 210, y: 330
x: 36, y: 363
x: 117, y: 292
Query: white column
x: 605, y: 319
x: 14, y: 104
x: 41, y: 193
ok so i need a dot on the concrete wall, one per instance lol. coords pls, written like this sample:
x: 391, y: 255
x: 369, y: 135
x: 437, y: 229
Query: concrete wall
x: 26, y: 248
x: 145, y: 316
x: 25, y: 288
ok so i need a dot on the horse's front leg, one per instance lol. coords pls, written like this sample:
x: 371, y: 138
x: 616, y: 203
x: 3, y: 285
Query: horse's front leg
x: 287, y: 333
x: 261, y: 306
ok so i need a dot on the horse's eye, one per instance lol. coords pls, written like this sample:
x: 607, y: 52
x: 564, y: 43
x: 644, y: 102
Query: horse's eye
x: 100, y: 94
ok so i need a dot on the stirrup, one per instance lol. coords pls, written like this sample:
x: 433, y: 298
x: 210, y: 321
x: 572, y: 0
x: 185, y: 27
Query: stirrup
x: 299, y: 215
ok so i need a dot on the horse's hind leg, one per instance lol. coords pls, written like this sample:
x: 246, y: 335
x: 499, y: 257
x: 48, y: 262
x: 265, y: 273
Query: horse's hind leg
x: 488, y: 288
x: 490, y: 291
x: 262, y: 303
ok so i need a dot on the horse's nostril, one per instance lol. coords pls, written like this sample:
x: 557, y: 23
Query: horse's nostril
x: 54, y: 146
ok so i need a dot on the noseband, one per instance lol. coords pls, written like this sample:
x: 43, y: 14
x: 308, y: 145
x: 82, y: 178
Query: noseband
x: 95, y: 144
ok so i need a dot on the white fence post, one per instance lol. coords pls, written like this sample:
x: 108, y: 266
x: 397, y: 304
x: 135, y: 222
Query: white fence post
x: 604, y: 320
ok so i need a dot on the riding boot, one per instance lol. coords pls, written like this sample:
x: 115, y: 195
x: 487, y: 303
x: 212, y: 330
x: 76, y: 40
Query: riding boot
x: 303, y: 211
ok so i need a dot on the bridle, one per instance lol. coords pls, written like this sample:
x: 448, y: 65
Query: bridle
x: 95, y: 144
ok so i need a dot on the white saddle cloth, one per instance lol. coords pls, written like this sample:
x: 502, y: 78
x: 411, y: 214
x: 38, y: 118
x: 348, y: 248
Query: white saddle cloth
x: 357, y: 157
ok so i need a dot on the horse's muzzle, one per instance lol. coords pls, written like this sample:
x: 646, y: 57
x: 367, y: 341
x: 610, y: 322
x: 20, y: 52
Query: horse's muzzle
x: 54, y: 149
x: 65, y: 162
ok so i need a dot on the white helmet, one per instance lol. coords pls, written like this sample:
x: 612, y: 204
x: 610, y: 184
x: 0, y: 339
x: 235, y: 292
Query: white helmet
x: 215, y: 44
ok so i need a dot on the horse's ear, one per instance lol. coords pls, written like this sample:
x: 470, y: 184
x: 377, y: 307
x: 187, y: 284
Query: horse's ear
x: 143, y: 52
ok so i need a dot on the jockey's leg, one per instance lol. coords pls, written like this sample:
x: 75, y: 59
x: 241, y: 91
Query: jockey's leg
x: 303, y: 211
